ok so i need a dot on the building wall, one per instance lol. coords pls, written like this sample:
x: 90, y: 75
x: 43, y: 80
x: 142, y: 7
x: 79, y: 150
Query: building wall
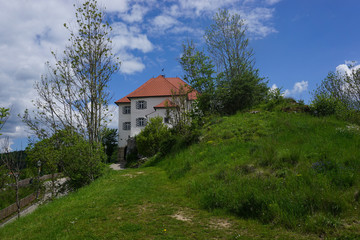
x: 145, y: 113
x: 123, y: 134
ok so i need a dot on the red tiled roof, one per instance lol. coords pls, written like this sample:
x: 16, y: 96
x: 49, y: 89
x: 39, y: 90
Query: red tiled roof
x: 159, y: 86
x: 165, y: 104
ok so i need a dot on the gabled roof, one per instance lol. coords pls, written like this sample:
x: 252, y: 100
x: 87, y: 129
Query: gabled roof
x: 157, y: 87
x: 165, y: 104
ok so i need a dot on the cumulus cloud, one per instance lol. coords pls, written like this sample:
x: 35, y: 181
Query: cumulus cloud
x: 347, y: 68
x: 299, y: 87
x: 136, y: 14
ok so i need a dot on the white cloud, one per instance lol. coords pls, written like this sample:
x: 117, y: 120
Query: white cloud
x: 258, y: 21
x: 272, y: 2
x: 115, y: 5
x: 347, y: 68
x: 164, y: 22
x: 129, y: 38
x: 299, y: 87
x: 136, y: 15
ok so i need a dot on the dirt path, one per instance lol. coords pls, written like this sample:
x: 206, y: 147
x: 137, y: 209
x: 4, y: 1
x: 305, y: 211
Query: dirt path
x: 117, y: 166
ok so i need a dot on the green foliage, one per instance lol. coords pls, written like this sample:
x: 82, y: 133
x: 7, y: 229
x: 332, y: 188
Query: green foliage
x: 339, y: 95
x: 4, y: 114
x: 240, y: 92
x: 148, y: 141
x: 109, y: 140
x: 70, y: 153
x: 199, y: 74
x: 74, y: 92
x: 237, y: 84
x: 286, y: 169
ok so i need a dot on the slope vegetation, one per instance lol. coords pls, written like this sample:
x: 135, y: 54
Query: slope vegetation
x: 252, y: 176
x: 286, y: 169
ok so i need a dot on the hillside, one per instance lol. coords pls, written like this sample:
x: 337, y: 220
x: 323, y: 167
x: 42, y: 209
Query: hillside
x: 251, y: 176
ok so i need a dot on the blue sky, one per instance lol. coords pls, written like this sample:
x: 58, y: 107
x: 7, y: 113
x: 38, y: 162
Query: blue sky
x: 296, y: 43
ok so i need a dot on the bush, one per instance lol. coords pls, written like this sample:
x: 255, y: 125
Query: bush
x: 149, y: 139
x: 324, y: 105
x: 70, y: 153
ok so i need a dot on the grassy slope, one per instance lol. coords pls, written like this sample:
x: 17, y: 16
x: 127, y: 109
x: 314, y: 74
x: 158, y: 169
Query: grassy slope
x: 296, y: 173
x: 134, y: 204
x: 293, y: 170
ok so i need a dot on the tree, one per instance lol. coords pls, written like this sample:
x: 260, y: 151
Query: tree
x: 109, y: 141
x: 13, y: 163
x: 237, y: 84
x: 70, y: 153
x: 149, y: 139
x: 199, y: 74
x: 74, y: 93
x: 4, y: 115
x: 228, y: 45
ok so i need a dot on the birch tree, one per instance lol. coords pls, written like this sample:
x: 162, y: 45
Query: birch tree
x: 74, y: 92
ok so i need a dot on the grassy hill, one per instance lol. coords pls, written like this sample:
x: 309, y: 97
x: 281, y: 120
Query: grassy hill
x: 252, y: 176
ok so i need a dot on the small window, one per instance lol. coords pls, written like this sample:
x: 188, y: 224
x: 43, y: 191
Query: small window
x: 126, y: 110
x: 166, y: 120
x: 141, y: 104
x: 141, y: 122
x: 126, y: 125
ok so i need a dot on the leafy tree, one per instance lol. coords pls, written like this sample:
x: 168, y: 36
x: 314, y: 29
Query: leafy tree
x: 46, y: 154
x: 109, y: 140
x: 237, y: 84
x: 4, y: 114
x: 149, y: 139
x: 74, y: 93
x: 13, y: 164
x: 178, y: 110
x: 71, y: 154
x: 338, y: 94
x: 199, y: 74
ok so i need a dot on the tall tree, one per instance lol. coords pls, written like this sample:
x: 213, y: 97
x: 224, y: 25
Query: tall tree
x: 74, y: 93
x: 199, y: 72
x: 13, y: 163
x: 237, y: 84
x: 4, y: 115
x: 228, y: 45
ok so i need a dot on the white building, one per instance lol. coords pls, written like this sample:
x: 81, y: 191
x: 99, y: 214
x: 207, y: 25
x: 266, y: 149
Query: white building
x: 149, y: 100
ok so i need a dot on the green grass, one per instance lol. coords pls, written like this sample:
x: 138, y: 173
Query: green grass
x: 252, y: 176
x: 8, y: 195
x: 135, y: 204
x: 282, y: 169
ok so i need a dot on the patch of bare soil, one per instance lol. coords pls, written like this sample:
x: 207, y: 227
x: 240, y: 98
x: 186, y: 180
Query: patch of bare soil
x: 132, y: 175
x: 220, y: 223
x: 182, y: 216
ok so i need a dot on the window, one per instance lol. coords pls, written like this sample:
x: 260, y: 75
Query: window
x: 126, y: 110
x: 126, y: 125
x: 140, y: 122
x: 141, y: 104
x: 166, y: 120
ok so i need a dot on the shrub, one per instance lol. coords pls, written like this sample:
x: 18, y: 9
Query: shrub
x: 324, y: 105
x: 148, y: 141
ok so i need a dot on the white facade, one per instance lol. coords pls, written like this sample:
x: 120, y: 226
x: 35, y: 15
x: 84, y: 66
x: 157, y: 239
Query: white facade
x: 136, y: 116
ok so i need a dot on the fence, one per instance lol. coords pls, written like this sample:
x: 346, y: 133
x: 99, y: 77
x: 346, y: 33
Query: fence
x: 28, y: 181
x: 26, y: 200
x: 13, y: 208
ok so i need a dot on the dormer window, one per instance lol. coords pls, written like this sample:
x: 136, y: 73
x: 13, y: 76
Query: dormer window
x: 141, y: 104
x: 126, y: 110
